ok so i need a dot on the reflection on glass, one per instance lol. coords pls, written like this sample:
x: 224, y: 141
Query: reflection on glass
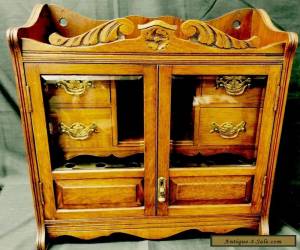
x: 215, y: 120
x: 182, y: 108
x: 95, y: 122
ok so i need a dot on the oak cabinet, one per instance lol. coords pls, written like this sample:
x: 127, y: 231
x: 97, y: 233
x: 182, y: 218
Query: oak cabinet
x: 150, y: 126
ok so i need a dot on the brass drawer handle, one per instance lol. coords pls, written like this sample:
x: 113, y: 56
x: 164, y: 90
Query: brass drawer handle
x: 77, y: 130
x: 161, y: 189
x: 228, y: 130
x: 74, y: 87
x: 234, y: 85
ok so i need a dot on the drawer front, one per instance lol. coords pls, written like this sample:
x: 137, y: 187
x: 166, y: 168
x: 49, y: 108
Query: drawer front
x: 99, y: 193
x: 210, y: 190
x: 78, y: 93
x: 228, y: 126
x: 82, y: 128
x: 217, y: 94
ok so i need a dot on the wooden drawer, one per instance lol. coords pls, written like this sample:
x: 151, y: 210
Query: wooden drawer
x: 82, y: 129
x: 78, y: 93
x: 99, y: 193
x: 210, y: 190
x: 228, y: 126
x: 213, y: 94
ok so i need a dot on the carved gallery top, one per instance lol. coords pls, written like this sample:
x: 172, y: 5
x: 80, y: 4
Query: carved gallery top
x: 245, y: 30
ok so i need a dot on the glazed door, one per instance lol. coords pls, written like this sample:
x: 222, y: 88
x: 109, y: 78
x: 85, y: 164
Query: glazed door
x: 213, y: 138
x: 95, y: 136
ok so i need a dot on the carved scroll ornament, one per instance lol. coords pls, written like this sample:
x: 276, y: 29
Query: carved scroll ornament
x: 228, y: 130
x: 104, y: 33
x: 201, y: 32
x: 234, y: 85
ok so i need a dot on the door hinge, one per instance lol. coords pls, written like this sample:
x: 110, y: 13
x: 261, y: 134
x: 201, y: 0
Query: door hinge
x: 264, y: 187
x: 29, y: 103
x: 41, y: 187
x: 276, y: 100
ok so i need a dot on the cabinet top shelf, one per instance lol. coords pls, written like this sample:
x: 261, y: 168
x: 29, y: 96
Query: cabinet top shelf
x: 51, y: 28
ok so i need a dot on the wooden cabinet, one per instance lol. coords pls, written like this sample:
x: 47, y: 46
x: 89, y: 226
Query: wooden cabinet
x: 150, y: 127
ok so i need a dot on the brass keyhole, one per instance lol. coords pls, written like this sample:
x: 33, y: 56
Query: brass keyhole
x: 161, y: 189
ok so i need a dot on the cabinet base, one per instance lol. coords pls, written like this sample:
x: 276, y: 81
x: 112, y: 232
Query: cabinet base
x: 147, y: 228
x: 263, y: 228
x: 41, y: 238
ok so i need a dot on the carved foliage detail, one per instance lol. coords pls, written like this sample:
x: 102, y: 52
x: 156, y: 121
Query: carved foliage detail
x: 105, y: 33
x: 201, y: 32
x: 157, y: 38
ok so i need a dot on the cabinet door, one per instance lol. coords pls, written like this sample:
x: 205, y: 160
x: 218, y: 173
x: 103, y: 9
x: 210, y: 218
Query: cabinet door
x: 215, y: 127
x: 95, y: 135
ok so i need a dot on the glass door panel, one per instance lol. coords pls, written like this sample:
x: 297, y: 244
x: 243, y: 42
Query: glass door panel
x: 209, y: 137
x: 98, y: 121
x: 215, y: 120
x: 95, y: 122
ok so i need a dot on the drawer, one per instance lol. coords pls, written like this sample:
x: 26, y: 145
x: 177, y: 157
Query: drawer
x: 78, y: 93
x: 215, y: 93
x: 210, y: 190
x: 82, y: 129
x: 228, y: 126
x: 99, y: 193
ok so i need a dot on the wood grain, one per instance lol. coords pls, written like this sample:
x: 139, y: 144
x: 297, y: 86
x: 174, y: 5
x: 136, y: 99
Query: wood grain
x: 97, y: 193
x: 96, y: 96
x: 102, y: 137
x: 210, y: 190
x: 208, y: 116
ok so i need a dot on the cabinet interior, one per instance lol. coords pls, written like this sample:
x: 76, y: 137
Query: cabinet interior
x: 114, y: 105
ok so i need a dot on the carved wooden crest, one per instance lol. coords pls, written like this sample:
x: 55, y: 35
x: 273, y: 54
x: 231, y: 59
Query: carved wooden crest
x: 104, y: 33
x: 157, y: 38
x: 156, y: 35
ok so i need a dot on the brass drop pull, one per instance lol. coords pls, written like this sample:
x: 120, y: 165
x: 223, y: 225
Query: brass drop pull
x: 77, y: 130
x: 234, y: 85
x: 161, y: 189
x: 228, y: 130
x: 74, y: 87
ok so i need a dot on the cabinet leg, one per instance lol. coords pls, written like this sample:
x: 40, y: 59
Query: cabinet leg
x: 41, y: 239
x: 263, y: 226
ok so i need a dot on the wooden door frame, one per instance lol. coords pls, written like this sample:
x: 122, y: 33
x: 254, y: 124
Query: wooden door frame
x: 42, y: 152
x: 165, y: 72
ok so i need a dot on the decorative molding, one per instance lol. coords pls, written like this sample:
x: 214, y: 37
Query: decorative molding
x: 74, y: 87
x: 156, y: 35
x: 201, y: 32
x: 77, y: 130
x: 157, y: 38
x: 159, y: 23
x: 105, y: 33
x: 228, y: 130
x: 234, y: 85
